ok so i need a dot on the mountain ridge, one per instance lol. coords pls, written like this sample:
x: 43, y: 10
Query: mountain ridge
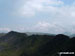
x: 21, y: 44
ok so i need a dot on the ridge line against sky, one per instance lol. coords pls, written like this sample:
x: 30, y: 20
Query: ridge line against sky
x: 49, y: 16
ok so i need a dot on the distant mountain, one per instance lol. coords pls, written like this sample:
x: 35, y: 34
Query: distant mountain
x: 72, y: 35
x: 2, y: 34
x: 22, y: 44
x: 37, y: 33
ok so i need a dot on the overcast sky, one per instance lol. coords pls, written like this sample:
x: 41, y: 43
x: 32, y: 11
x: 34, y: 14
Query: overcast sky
x: 48, y: 16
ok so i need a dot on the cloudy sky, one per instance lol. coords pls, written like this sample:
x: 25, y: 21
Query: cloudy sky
x: 48, y: 16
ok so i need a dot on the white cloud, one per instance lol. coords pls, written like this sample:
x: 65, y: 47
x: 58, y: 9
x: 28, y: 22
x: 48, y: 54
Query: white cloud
x: 47, y: 27
x: 42, y: 26
x: 65, y: 15
x: 5, y: 29
x: 30, y: 7
x: 53, y: 7
x: 73, y: 14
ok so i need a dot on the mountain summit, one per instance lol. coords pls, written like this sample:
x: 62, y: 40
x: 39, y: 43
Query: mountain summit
x: 20, y: 44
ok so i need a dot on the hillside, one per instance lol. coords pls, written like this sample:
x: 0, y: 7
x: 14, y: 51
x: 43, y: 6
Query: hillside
x: 2, y: 34
x: 20, y: 44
